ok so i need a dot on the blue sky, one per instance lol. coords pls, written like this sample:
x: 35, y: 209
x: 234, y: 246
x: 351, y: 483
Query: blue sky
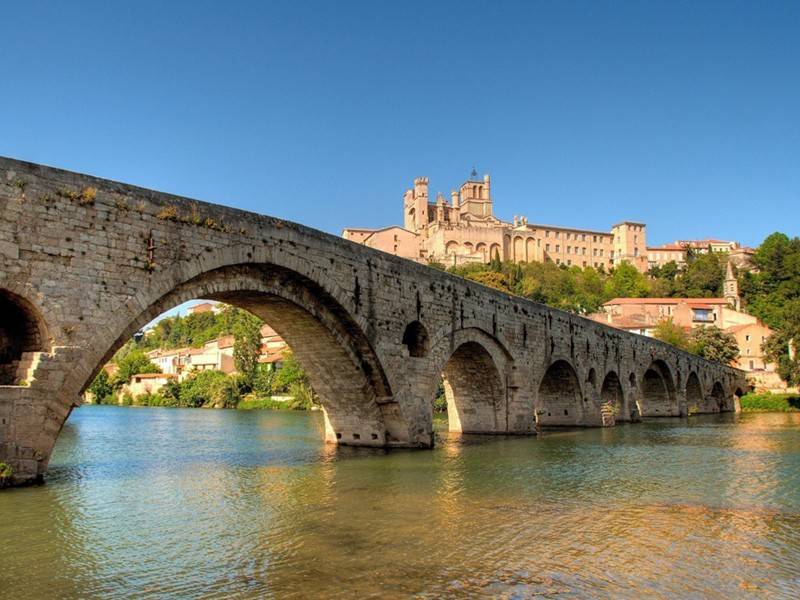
x: 684, y: 115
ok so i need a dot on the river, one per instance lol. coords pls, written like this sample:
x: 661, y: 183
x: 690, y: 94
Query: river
x: 156, y: 502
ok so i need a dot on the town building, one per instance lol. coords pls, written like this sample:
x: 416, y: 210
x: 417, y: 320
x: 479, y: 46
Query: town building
x: 465, y: 229
x: 146, y: 383
x: 212, y: 307
x: 678, y: 251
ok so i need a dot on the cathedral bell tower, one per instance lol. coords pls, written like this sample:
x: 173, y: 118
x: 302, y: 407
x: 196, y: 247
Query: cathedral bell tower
x: 731, y: 288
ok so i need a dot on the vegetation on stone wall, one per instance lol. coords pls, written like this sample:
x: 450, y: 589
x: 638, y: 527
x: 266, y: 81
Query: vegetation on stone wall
x: 5, y: 474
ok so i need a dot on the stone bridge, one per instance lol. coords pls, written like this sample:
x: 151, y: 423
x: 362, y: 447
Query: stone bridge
x: 86, y: 262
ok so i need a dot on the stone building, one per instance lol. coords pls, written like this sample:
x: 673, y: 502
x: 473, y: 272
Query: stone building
x: 465, y: 229
x: 677, y: 251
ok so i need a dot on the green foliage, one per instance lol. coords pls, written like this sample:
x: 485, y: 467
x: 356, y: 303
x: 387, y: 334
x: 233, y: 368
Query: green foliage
x: 712, y: 343
x: 435, y: 264
x: 777, y: 350
x: 667, y: 331
x: 247, y: 346
x: 289, y: 374
x: 773, y: 295
x: 211, y: 389
x: 133, y: 362
x: 5, y: 474
x: 197, y: 329
x: 440, y: 401
x: 770, y: 402
x: 626, y: 282
x: 573, y: 289
x: 101, y: 387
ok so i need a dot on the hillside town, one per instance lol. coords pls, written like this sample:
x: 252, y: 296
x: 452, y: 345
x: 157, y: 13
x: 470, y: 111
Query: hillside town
x: 465, y: 231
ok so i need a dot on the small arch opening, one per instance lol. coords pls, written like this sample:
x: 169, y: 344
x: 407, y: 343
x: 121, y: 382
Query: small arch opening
x: 658, y: 391
x: 560, y: 397
x: 612, y: 398
x: 415, y: 338
x: 22, y: 335
x: 694, y: 394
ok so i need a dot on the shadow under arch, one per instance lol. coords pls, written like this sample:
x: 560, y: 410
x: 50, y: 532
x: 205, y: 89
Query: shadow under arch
x: 658, y: 397
x: 473, y: 366
x: 23, y: 333
x: 611, y: 395
x: 694, y: 394
x: 560, y: 401
x: 718, y: 400
x: 340, y: 362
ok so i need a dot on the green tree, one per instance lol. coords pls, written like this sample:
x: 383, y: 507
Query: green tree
x: 132, y: 363
x: 247, y: 346
x: 782, y: 349
x: 626, y: 282
x: 667, y: 331
x: 713, y: 344
x: 703, y: 276
x: 101, y: 387
x: 211, y: 389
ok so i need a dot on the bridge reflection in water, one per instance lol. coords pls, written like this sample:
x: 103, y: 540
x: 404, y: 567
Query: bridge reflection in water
x: 207, y: 503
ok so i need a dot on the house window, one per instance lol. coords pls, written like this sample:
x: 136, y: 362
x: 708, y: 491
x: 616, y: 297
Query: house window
x: 747, y: 338
x: 569, y: 249
x: 594, y: 239
x: 558, y: 247
x: 702, y: 315
x: 547, y: 247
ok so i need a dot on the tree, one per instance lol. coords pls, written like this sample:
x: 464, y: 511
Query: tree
x: 626, y: 282
x: 247, y: 346
x: 209, y: 388
x: 133, y: 363
x: 713, y: 344
x: 782, y: 349
x: 667, y: 331
x: 703, y: 276
x: 101, y: 387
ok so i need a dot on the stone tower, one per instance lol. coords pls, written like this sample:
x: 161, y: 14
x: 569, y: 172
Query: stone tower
x: 731, y: 288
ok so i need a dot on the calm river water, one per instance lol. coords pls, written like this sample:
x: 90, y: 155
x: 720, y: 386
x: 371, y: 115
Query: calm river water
x: 201, y: 503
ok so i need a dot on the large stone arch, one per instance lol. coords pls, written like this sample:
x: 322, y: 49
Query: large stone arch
x: 559, y: 401
x: 23, y: 337
x: 658, y: 397
x: 694, y: 394
x: 342, y: 366
x: 474, y: 367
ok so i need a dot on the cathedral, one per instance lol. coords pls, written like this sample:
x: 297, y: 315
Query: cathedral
x: 465, y: 230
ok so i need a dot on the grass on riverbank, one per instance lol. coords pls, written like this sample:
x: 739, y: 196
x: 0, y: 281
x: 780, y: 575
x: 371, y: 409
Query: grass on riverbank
x: 770, y: 402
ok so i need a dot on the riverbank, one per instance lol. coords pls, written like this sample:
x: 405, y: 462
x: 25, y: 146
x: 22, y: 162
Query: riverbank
x: 770, y: 402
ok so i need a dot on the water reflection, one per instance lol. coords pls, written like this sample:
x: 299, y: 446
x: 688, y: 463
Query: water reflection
x: 196, y: 503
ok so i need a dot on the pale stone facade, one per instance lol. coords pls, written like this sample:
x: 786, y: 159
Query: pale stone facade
x: 677, y: 251
x: 465, y: 229
x: 86, y: 262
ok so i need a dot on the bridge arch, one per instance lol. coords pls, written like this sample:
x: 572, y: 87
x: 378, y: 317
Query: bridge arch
x: 325, y: 338
x: 658, y: 397
x: 560, y: 399
x: 718, y: 400
x: 694, y: 394
x: 474, y: 367
x: 611, y: 395
x: 23, y: 333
